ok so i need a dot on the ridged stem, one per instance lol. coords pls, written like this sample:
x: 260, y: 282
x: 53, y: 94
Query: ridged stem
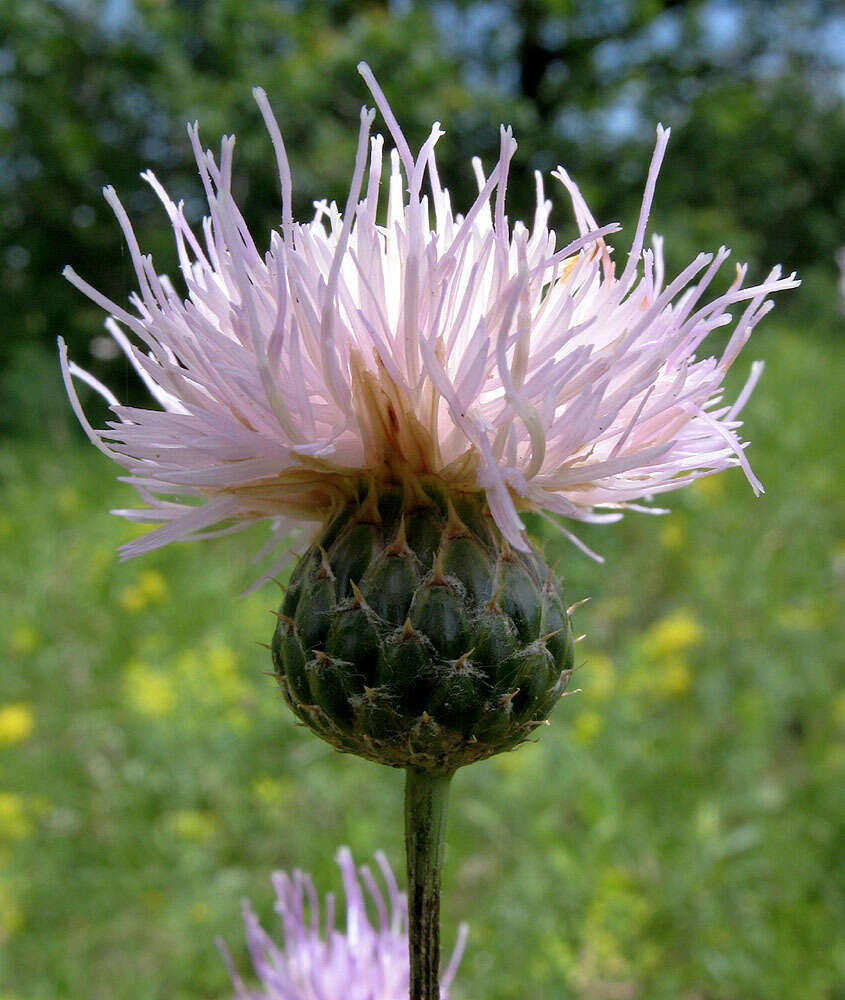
x: 426, y: 797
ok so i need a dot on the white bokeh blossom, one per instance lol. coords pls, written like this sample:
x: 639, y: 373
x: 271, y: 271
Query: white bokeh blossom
x: 314, y: 962
x: 413, y: 341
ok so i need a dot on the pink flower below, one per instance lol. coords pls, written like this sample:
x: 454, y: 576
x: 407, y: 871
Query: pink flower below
x: 366, y: 962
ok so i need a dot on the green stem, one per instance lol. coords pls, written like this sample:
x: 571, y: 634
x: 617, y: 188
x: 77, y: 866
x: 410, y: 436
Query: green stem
x: 426, y: 796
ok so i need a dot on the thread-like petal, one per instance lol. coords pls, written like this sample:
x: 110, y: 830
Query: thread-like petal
x: 470, y: 349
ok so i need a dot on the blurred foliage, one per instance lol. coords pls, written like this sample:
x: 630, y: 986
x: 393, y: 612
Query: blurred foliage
x: 93, y: 92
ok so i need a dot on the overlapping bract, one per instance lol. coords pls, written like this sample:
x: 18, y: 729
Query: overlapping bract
x: 365, y: 962
x: 419, y: 343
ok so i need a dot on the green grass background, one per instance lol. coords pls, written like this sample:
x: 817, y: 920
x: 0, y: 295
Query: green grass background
x: 675, y: 833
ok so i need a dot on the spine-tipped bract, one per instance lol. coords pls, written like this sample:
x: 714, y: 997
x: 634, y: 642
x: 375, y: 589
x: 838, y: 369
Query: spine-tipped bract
x: 412, y: 634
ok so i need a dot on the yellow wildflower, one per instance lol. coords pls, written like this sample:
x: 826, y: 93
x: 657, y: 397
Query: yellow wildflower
x: 669, y: 677
x: 100, y: 561
x: 673, y: 678
x: 191, y: 824
x: 14, y: 822
x: 587, y: 726
x: 671, y: 635
x: 24, y: 640
x: 673, y: 534
x: 149, y: 691
x: 16, y: 723
x: 599, y: 677
x: 272, y: 792
x: 211, y: 675
x: 222, y: 666
x: 711, y: 489
x: 149, y: 589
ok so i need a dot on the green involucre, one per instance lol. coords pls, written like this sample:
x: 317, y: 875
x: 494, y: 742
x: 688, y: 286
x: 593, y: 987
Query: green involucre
x: 412, y: 634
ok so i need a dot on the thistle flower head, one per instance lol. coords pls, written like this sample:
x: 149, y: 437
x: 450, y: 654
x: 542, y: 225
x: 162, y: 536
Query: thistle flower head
x: 401, y: 340
x: 366, y: 962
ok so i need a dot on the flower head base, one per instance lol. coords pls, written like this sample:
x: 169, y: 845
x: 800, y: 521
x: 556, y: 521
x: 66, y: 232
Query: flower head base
x: 365, y: 963
x: 418, y: 343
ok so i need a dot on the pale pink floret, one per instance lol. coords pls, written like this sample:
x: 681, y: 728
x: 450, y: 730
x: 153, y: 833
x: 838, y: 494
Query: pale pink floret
x: 422, y: 342
x: 314, y: 962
